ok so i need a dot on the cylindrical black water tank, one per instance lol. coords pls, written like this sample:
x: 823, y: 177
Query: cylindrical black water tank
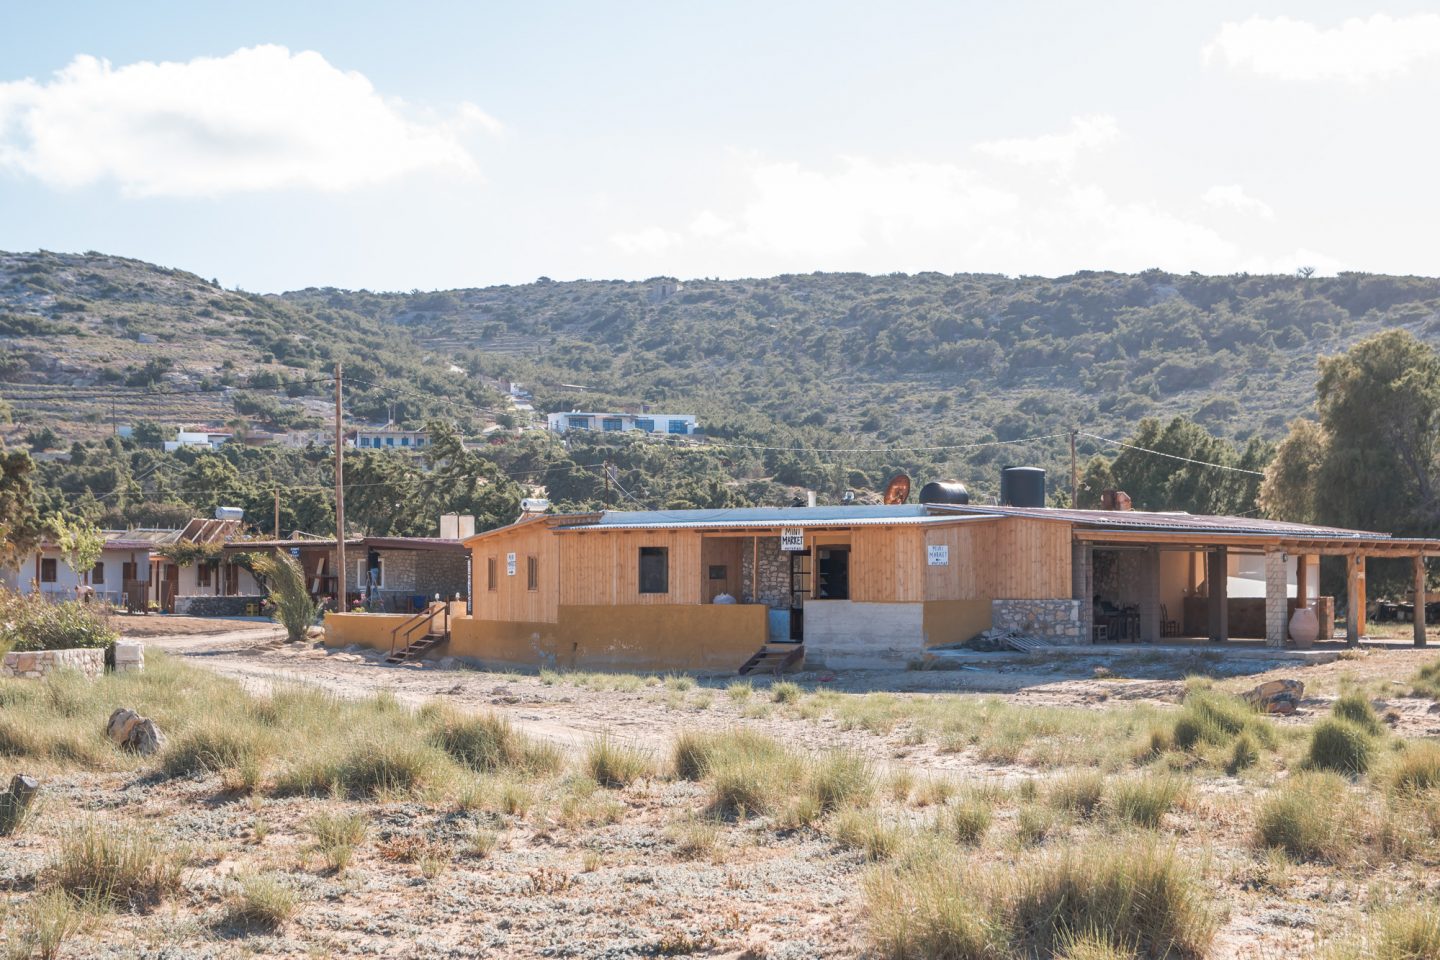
x: 944, y: 491
x: 1022, y: 487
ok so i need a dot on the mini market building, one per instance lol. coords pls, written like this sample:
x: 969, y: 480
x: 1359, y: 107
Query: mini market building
x: 878, y: 586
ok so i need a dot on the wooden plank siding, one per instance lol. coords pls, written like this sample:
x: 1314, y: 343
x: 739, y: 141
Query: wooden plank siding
x: 887, y: 565
x: 1014, y: 559
x: 512, y: 600
x: 604, y: 567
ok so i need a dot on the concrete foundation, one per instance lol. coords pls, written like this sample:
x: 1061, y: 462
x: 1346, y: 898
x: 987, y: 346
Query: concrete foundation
x: 847, y: 635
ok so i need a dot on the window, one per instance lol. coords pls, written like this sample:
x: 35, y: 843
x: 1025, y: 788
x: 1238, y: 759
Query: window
x: 389, y: 441
x: 578, y: 423
x: 654, y: 569
x: 47, y: 570
x: 679, y: 426
x: 718, y: 571
x: 97, y: 574
x: 404, y: 441
x: 490, y: 580
x: 612, y: 424
x: 645, y: 423
x: 364, y: 441
x: 532, y: 573
x: 202, y: 573
x: 127, y: 572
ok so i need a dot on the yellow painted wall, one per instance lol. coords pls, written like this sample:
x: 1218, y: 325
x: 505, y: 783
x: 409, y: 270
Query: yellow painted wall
x: 367, y: 629
x: 624, y: 637
x: 954, y: 621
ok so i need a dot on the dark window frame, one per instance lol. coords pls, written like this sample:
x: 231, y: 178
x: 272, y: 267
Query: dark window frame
x: 656, y: 579
x: 492, y: 580
x: 97, y: 573
x: 49, y: 570
x: 532, y: 573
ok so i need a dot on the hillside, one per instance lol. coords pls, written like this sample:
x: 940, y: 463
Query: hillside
x: 821, y: 360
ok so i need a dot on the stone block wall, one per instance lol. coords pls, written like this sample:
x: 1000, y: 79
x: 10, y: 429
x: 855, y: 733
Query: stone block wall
x: 35, y: 664
x: 1058, y: 621
x: 772, y: 588
x: 212, y: 606
x: 1277, y: 605
x: 442, y: 573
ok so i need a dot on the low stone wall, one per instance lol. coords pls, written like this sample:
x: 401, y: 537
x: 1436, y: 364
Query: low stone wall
x: 201, y: 605
x: 35, y: 664
x: 1058, y: 621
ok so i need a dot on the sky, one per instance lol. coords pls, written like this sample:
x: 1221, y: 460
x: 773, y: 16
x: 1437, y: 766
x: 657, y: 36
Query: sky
x: 430, y: 145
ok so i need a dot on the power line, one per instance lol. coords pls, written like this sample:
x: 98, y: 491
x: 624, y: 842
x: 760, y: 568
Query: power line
x: 1161, y: 453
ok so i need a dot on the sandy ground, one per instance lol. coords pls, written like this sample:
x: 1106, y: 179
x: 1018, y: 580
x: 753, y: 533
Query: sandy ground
x: 620, y: 889
x: 255, y: 654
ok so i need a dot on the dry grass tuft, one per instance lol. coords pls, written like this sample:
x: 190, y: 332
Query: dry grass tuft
x: 1341, y: 746
x: 1417, y: 769
x: 613, y: 764
x: 1080, y: 793
x: 1144, y: 801
x: 261, y: 900
x: 1309, y: 817
x: 116, y: 866
x: 336, y: 837
x: 488, y: 742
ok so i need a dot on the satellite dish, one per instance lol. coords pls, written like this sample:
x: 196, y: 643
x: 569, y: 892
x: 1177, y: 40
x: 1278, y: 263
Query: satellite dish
x: 898, y: 489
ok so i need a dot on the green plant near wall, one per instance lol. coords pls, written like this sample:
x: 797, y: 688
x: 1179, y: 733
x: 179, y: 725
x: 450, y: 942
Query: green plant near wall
x: 185, y: 552
x: 79, y: 541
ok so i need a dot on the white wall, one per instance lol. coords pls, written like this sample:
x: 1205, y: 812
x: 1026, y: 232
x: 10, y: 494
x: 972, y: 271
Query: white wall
x: 27, y: 576
x: 1247, y: 576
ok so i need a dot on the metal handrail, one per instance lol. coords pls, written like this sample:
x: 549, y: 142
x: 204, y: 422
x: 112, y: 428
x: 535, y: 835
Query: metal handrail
x: 424, y: 618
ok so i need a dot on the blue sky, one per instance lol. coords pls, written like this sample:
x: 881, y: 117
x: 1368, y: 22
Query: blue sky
x: 429, y: 145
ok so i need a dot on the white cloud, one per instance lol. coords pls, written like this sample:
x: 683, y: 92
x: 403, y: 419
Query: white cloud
x: 866, y: 215
x: 1356, y: 51
x: 261, y: 118
x: 1233, y: 197
x: 647, y: 241
x: 1057, y: 151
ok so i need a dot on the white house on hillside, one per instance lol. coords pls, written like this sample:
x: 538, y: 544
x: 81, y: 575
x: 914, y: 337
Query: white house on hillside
x: 197, y: 438
x: 681, y: 424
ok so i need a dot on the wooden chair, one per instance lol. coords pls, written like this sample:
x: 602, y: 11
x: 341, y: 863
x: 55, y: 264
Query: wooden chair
x: 1168, y: 627
x: 1099, y: 633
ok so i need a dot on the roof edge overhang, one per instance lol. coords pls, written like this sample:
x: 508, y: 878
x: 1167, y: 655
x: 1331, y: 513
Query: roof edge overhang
x: 762, y: 526
x: 1368, y: 545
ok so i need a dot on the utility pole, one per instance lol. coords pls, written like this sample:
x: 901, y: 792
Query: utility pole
x: 114, y: 424
x: 339, y: 500
x: 1074, y: 473
x: 607, y: 484
x: 277, y: 513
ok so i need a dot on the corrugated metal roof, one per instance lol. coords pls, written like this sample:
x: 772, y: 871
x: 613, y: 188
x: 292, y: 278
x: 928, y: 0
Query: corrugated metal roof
x: 1179, y: 522
x: 760, y: 517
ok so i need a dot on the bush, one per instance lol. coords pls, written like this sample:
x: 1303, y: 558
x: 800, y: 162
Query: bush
x: 840, y: 778
x: 1341, y: 746
x: 387, y: 763
x: 116, y: 866
x: 30, y: 622
x: 864, y: 830
x: 1427, y: 681
x: 1307, y: 817
x: 1245, y: 753
x: 1356, y: 709
x: 695, y: 754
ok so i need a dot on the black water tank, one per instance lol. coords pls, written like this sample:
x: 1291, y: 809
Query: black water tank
x: 1022, y: 487
x: 944, y: 491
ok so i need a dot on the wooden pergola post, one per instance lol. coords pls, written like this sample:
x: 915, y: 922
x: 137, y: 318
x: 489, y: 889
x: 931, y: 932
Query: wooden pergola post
x: 1302, y: 581
x: 1354, y: 598
x: 1217, y: 579
x: 1419, y: 617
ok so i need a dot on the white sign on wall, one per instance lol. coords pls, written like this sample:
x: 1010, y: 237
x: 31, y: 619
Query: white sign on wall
x: 938, y: 554
x: 509, y: 564
x: 792, y: 539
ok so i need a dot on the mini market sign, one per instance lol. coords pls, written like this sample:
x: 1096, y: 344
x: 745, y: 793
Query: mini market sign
x: 792, y: 539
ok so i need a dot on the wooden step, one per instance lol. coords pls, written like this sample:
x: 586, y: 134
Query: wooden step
x: 417, y: 648
x: 773, y: 659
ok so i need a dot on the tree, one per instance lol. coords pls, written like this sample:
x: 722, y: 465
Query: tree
x: 1371, y: 462
x: 290, y: 603
x: 79, y: 542
x: 20, y: 526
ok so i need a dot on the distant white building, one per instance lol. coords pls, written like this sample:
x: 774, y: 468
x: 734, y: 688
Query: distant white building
x: 680, y: 424
x: 197, y: 438
x: 388, y: 437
